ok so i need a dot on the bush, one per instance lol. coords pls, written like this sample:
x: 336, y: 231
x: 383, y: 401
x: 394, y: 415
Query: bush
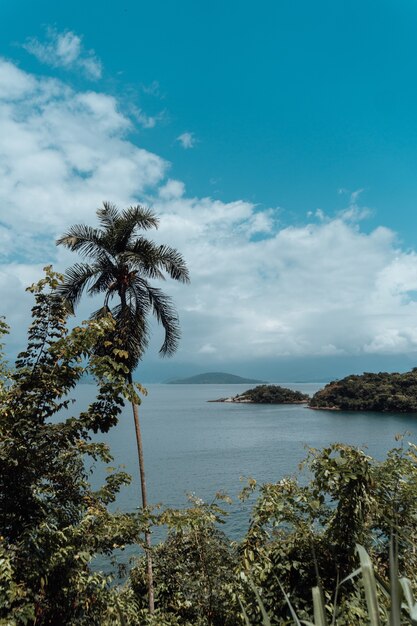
x: 304, y: 535
x: 194, y: 568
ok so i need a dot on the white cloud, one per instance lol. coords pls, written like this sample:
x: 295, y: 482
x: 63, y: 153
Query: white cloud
x: 65, y: 50
x: 319, y: 289
x: 257, y: 290
x: 14, y: 83
x: 187, y: 140
x: 64, y: 152
x: 145, y: 120
x: 172, y: 189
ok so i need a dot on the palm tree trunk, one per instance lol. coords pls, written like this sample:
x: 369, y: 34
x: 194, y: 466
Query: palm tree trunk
x: 151, y: 595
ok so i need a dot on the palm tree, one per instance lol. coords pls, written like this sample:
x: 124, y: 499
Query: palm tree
x: 121, y: 262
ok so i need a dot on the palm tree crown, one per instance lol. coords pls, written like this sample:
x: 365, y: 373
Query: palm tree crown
x: 120, y: 263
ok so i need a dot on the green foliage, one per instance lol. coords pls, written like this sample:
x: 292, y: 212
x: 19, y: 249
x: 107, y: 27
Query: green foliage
x: 298, y: 561
x: 386, y: 604
x: 305, y: 535
x: 121, y: 263
x: 194, y: 568
x: 381, y: 392
x: 52, y: 523
x: 272, y: 394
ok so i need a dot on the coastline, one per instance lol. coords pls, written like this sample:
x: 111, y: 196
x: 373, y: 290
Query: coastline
x: 243, y: 400
x: 327, y: 408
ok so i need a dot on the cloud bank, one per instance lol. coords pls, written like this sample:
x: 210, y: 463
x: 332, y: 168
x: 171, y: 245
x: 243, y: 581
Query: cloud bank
x: 258, y: 290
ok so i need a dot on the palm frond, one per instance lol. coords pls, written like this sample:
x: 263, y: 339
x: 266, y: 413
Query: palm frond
x: 142, y: 217
x: 165, y: 313
x: 105, y: 283
x: 123, y: 230
x: 108, y: 215
x: 132, y: 331
x: 105, y: 261
x: 123, y: 261
x: 99, y: 313
x: 142, y: 255
x: 174, y: 264
x: 84, y: 239
x: 151, y: 259
x: 76, y: 279
x: 138, y: 298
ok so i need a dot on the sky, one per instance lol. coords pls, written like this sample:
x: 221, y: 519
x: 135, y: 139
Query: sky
x: 277, y: 142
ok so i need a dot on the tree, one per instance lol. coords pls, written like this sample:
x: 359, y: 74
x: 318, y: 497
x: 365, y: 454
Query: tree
x: 52, y: 523
x: 195, y: 565
x: 121, y: 262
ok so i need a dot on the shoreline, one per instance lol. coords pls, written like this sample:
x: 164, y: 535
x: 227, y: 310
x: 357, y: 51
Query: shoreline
x: 328, y: 408
x: 242, y: 400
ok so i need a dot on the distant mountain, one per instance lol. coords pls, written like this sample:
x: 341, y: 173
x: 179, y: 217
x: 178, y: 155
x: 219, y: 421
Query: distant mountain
x: 214, y: 378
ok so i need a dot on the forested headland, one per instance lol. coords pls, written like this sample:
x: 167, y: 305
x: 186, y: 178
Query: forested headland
x: 383, y: 392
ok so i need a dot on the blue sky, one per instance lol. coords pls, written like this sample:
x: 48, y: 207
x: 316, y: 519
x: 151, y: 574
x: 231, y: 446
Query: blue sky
x: 283, y: 132
x: 290, y: 101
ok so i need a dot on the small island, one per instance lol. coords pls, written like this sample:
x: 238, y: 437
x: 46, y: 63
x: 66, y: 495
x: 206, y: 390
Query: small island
x: 268, y: 394
x: 382, y: 392
x: 214, y: 378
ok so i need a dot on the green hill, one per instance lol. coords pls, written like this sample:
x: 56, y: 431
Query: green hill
x: 214, y: 378
x: 383, y: 392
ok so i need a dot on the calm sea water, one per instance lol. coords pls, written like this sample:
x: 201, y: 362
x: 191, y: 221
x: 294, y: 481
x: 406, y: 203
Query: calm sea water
x: 192, y: 445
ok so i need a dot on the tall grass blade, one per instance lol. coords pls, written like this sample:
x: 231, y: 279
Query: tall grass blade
x: 351, y: 576
x: 318, y: 607
x: 293, y: 613
x: 369, y: 586
x: 245, y: 615
x: 265, y: 617
x: 410, y: 602
x: 395, y: 615
x: 336, y: 597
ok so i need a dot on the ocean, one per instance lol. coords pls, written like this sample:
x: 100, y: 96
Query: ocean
x: 198, y: 447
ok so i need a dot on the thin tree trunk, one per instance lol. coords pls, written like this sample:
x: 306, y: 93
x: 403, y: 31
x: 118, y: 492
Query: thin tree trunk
x: 151, y: 596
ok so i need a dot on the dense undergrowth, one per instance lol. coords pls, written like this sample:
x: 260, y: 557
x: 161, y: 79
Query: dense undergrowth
x: 299, y: 559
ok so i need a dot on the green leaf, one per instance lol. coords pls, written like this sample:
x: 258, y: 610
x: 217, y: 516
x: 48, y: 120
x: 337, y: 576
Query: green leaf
x: 369, y: 586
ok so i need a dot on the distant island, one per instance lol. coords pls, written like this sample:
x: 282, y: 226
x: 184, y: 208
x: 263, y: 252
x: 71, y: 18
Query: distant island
x: 268, y: 394
x: 214, y: 378
x: 383, y: 392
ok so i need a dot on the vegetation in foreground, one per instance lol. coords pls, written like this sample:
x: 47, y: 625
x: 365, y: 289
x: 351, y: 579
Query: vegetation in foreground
x: 299, y: 559
x: 383, y: 392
